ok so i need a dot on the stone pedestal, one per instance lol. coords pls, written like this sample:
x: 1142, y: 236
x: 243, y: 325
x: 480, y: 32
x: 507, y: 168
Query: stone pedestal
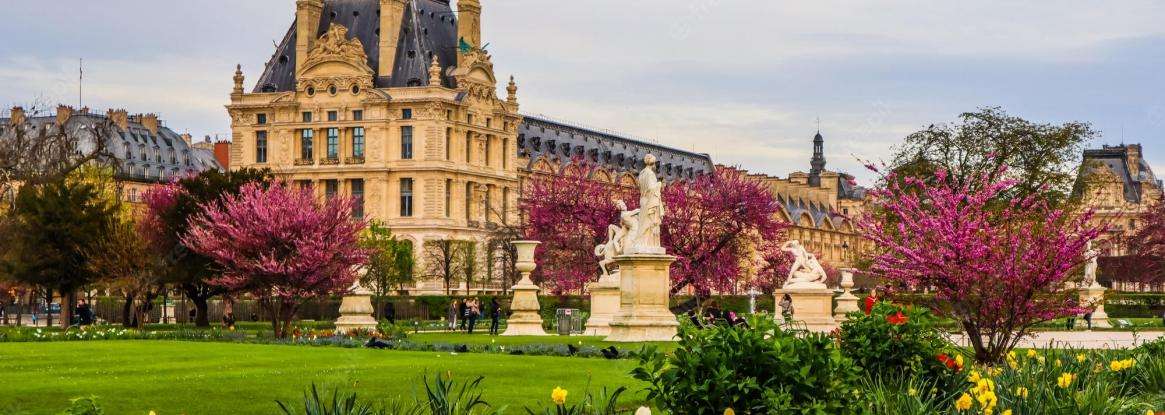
x: 812, y: 306
x: 604, y: 304
x: 525, y: 319
x: 644, y: 281
x: 1094, y: 296
x: 355, y: 313
x: 846, y: 302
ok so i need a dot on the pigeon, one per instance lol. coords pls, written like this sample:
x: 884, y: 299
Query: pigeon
x: 461, y: 348
x: 571, y: 349
x: 610, y: 353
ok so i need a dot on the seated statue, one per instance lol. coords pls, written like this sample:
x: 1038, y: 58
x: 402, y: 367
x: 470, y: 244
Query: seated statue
x: 806, y: 270
x: 617, y: 236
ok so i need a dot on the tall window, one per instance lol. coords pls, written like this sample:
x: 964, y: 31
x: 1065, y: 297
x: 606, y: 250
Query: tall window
x: 304, y: 185
x: 306, y: 116
x: 260, y: 119
x: 505, y: 152
x: 358, y: 142
x: 306, y: 139
x: 406, y: 197
x: 406, y: 142
x: 333, y: 143
x: 333, y: 116
x: 448, y: 144
x: 448, y: 197
x: 468, y: 201
x: 406, y: 113
x: 489, y: 193
x: 357, y: 198
x: 358, y: 115
x: 488, y: 140
x: 260, y: 147
x: 331, y: 188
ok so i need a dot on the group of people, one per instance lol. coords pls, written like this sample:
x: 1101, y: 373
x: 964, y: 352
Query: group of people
x: 464, y: 314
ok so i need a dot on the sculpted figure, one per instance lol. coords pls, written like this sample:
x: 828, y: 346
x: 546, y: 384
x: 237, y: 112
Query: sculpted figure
x: 805, y: 269
x: 617, y: 236
x: 646, y: 240
x: 1090, y: 266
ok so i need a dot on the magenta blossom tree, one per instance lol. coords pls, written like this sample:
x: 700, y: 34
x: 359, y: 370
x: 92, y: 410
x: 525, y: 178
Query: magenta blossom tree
x: 997, y: 268
x: 1149, y: 248
x: 281, y: 246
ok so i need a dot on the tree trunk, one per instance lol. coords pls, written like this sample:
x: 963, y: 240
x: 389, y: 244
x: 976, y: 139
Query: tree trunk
x: 67, y: 300
x: 126, y: 309
x: 202, y: 315
x: 379, y: 313
x: 48, y: 307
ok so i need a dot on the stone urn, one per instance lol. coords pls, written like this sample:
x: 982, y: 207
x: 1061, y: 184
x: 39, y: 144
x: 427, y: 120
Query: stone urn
x: 356, y: 311
x: 525, y: 318
x: 847, y: 302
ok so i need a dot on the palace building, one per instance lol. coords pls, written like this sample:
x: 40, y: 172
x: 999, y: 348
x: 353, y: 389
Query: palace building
x: 1117, y: 183
x: 141, y: 148
x: 821, y: 206
x: 394, y: 103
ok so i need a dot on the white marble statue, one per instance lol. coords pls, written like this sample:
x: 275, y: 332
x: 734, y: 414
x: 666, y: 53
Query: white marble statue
x: 617, y: 236
x: 806, y: 270
x: 646, y: 238
x: 1090, y: 267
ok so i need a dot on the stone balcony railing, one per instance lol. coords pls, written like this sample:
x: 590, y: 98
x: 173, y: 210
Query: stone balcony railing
x: 330, y: 162
x: 354, y: 160
x: 305, y: 162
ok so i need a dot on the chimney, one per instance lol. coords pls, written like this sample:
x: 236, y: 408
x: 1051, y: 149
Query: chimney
x: 17, y: 117
x: 119, y: 118
x: 222, y: 153
x: 307, y: 26
x: 469, y: 22
x: 391, y: 12
x: 64, y: 112
x: 187, y: 138
x: 84, y: 110
x: 150, y: 121
x: 1133, y: 152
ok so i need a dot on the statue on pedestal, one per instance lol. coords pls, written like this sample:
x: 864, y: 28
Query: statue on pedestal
x: 806, y: 270
x: 646, y: 236
x: 1090, y: 267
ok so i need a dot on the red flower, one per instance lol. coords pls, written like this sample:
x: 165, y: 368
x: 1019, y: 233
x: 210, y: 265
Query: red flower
x: 868, y: 305
x: 950, y: 363
x: 897, y: 319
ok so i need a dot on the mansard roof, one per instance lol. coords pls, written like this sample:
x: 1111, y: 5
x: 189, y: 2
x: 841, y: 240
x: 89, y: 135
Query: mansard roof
x: 138, y: 152
x: 1116, y: 160
x: 540, y: 137
x: 428, y: 28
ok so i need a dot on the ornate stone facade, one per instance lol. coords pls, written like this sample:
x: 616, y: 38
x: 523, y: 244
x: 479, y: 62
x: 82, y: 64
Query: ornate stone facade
x: 1117, y: 183
x: 821, y: 206
x: 392, y: 111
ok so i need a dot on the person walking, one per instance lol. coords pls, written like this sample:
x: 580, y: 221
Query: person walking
x: 462, y: 314
x: 787, y: 307
x: 474, y: 313
x: 495, y: 313
x: 1088, y: 319
x: 390, y: 313
x: 453, y: 310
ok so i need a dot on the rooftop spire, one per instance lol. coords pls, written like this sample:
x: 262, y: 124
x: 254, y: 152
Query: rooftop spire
x: 817, y: 164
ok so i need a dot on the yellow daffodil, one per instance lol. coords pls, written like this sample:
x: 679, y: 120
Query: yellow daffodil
x: 1005, y: 412
x: 1149, y: 412
x: 152, y: 413
x: 987, y: 400
x: 959, y: 361
x: 973, y: 377
x: 1065, y: 380
x: 1031, y: 353
x: 912, y: 392
x: 729, y: 411
x: 1080, y: 358
x: 964, y: 402
x: 1021, y: 392
x: 1115, y: 366
x: 558, y: 396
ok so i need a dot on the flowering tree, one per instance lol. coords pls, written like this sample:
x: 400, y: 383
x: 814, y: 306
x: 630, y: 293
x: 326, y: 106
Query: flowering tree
x: 1149, y: 246
x: 714, y: 224
x: 997, y: 269
x: 281, y: 246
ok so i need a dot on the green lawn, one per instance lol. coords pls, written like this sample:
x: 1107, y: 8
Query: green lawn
x: 134, y: 377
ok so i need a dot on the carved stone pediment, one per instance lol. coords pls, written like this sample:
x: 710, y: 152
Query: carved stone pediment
x: 475, y: 75
x: 333, y: 48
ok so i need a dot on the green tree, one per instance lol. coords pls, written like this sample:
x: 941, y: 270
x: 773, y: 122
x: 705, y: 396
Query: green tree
x: 55, y: 225
x: 443, y: 261
x: 124, y: 257
x: 390, y: 262
x: 468, y: 252
x: 1043, y: 158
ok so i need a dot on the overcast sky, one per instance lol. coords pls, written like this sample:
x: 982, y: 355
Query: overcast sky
x: 742, y: 80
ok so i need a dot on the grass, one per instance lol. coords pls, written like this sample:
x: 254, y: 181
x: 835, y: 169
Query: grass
x: 134, y: 377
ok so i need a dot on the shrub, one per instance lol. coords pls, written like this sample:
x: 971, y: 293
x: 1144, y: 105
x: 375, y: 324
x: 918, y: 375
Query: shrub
x: 895, y: 340
x: 761, y: 369
x: 84, y: 406
x: 340, y: 404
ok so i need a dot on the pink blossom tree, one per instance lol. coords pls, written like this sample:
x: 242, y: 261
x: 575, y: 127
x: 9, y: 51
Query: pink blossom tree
x: 281, y: 246
x: 998, y: 268
x: 1149, y: 247
x: 712, y: 225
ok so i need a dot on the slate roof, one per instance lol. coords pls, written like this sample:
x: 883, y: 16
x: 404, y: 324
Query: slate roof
x: 561, y: 142
x: 139, y: 154
x: 1116, y: 159
x: 428, y: 28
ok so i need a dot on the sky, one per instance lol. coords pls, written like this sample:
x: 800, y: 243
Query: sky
x: 746, y: 81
